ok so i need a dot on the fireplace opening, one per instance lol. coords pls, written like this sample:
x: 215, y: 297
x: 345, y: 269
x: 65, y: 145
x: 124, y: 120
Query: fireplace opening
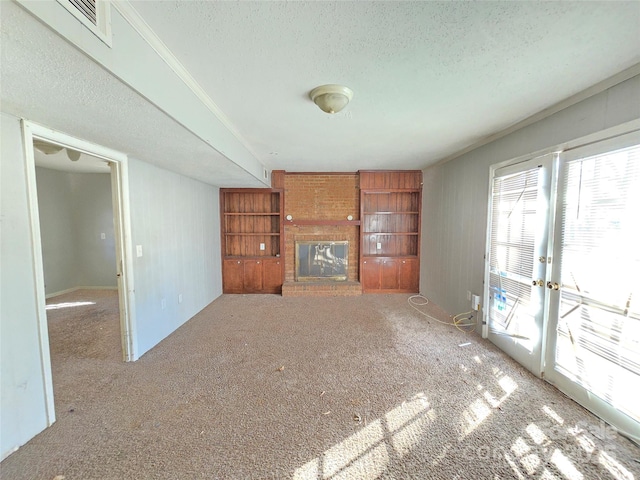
x: 321, y: 261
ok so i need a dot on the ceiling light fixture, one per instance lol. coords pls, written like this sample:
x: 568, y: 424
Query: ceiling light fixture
x: 47, y: 148
x: 331, y: 98
x: 52, y: 149
x: 73, y: 155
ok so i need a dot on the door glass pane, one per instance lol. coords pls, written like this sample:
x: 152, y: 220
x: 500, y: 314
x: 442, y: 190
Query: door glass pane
x: 598, y: 332
x: 511, y: 257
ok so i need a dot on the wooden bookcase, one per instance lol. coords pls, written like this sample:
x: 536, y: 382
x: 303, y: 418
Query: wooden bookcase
x: 252, y: 240
x: 390, y: 215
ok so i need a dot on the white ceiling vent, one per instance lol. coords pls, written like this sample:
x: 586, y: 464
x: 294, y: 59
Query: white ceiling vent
x: 94, y: 14
x: 86, y: 8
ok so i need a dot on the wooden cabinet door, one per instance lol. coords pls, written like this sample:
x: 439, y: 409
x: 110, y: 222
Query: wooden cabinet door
x: 272, y: 275
x: 389, y: 274
x: 252, y: 276
x: 409, y: 275
x: 232, y: 276
x: 370, y: 274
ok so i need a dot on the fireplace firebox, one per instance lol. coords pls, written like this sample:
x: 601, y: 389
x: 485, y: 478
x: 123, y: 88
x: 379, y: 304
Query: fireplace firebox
x: 321, y: 261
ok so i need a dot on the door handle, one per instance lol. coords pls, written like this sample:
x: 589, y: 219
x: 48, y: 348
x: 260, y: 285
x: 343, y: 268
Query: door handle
x: 553, y: 286
x: 538, y: 283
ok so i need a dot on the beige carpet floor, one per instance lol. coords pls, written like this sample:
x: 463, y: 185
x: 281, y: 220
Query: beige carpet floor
x: 262, y: 386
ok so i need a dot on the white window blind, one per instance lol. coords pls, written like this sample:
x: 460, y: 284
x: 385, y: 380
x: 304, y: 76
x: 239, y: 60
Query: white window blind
x: 511, y: 257
x: 598, y: 334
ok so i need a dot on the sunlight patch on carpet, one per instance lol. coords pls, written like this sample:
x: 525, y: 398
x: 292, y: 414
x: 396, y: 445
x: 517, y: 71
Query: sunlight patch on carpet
x: 57, y: 306
x: 365, y: 454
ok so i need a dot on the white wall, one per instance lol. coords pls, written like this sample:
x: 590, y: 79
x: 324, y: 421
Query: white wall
x: 57, y: 229
x: 93, y: 215
x: 22, y: 400
x: 75, y: 209
x: 455, y: 194
x: 176, y: 220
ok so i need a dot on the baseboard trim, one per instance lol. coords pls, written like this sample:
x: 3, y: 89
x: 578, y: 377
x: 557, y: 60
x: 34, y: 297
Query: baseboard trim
x: 73, y: 289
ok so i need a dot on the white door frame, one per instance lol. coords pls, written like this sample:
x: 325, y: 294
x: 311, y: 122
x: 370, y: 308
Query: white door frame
x: 601, y: 139
x: 122, y: 224
x: 534, y: 360
x: 625, y: 424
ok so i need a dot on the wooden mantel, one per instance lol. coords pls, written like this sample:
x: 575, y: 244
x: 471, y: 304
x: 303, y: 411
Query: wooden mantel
x: 296, y: 223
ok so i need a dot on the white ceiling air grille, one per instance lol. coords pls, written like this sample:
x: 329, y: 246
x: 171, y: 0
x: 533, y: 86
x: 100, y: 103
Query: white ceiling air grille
x: 93, y: 14
x: 87, y: 8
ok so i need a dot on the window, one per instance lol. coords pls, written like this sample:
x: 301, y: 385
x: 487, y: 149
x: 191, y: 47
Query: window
x: 562, y: 283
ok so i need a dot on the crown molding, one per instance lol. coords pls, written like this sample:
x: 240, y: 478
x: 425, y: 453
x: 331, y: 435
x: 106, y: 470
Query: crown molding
x: 131, y: 15
x: 547, y: 112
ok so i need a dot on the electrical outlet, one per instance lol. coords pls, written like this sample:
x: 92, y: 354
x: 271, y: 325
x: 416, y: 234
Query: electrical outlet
x: 475, y: 302
x: 179, y: 298
x: 469, y: 295
x: 138, y: 250
x: 103, y: 236
x: 379, y: 246
x: 163, y: 303
x: 262, y: 246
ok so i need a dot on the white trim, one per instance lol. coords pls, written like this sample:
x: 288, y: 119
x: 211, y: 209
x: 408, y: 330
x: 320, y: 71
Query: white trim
x: 131, y: 15
x: 74, y: 289
x: 547, y: 112
x: 120, y: 196
x: 124, y: 258
x: 38, y: 273
x: 61, y: 292
x: 619, y: 136
x: 609, y: 133
x: 48, y: 134
x: 102, y: 28
x: 603, y: 135
x: 609, y: 144
x: 625, y: 424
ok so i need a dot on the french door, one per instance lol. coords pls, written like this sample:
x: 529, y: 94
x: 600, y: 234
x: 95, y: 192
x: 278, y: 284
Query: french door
x: 517, y: 259
x: 575, y: 237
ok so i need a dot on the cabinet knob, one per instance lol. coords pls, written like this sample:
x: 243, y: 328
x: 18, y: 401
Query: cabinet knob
x: 238, y: 262
x: 258, y: 263
x: 403, y: 261
x: 277, y: 263
x: 364, y: 261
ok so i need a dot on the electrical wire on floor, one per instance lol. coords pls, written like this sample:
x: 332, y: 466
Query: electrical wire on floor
x: 461, y: 321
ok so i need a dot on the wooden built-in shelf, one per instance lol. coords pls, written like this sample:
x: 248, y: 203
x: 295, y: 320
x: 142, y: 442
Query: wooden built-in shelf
x: 390, y: 203
x: 252, y: 240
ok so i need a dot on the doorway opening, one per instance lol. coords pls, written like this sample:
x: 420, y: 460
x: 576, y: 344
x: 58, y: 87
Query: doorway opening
x: 80, y: 230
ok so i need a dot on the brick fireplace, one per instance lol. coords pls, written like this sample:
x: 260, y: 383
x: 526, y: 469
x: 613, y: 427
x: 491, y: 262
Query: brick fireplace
x: 321, y: 260
x: 317, y: 207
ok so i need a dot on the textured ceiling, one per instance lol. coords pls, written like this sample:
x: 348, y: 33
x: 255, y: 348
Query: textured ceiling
x: 430, y: 78
x: 46, y: 80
